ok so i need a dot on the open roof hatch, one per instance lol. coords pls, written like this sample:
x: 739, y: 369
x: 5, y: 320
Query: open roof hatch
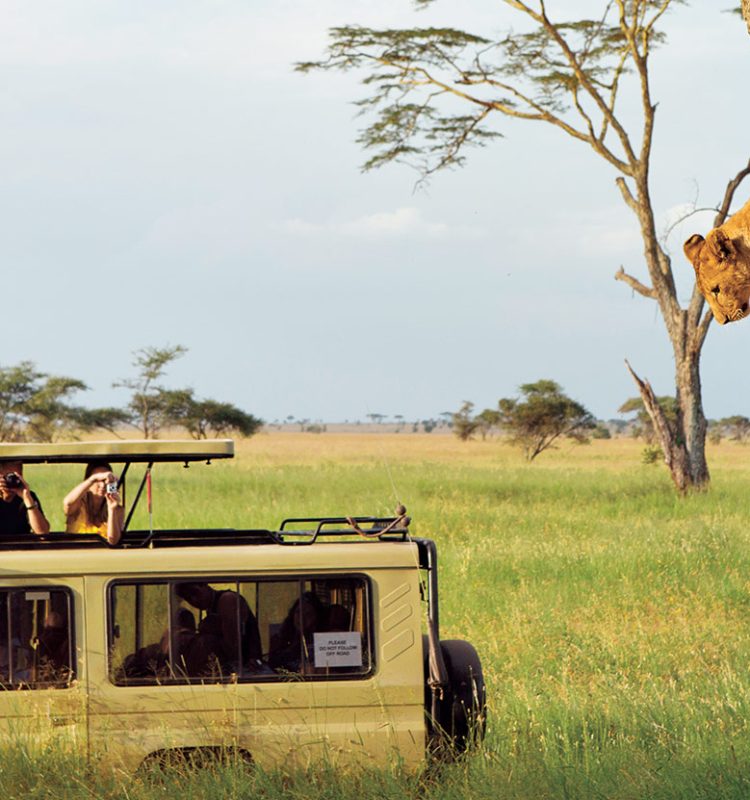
x: 125, y: 452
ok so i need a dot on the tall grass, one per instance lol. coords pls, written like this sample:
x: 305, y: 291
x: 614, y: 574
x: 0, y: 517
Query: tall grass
x: 612, y: 618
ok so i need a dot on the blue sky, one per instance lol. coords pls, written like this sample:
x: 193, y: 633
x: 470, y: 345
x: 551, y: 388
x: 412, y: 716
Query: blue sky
x: 167, y: 178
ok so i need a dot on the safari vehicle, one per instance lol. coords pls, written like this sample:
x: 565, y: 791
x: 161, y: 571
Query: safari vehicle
x: 317, y: 640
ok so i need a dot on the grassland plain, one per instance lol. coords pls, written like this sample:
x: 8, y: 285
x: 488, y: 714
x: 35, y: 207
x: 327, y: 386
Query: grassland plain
x: 612, y: 617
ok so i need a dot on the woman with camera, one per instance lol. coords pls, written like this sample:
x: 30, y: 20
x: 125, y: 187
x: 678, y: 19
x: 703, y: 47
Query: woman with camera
x: 20, y: 510
x: 94, y: 506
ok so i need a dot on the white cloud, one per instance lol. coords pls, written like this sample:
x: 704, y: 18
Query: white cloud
x: 405, y: 222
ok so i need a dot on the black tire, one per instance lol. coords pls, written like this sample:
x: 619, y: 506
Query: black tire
x: 185, y: 759
x: 462, y: 711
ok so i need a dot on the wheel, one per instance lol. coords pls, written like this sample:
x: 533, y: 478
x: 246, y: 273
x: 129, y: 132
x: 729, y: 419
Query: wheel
x: 463, y: 709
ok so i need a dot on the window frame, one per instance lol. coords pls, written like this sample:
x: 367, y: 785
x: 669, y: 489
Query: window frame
x: 260, y: 678
x: 72, y: 649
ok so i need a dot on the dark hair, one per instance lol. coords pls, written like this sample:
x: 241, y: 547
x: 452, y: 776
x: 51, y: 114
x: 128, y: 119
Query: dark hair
x: 96, y: 466
x: 95, y: 516
x: 288, y: 631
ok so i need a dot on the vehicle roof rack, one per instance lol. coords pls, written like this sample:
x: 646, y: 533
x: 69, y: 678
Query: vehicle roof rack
x: 378, y: 528
x: 120, y: 452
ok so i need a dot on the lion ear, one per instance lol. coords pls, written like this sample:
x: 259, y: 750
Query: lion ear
x: 721, y: 245
x: 692, y: 248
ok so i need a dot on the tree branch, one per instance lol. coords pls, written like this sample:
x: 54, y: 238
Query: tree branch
x: 702, y: 329
x: 580, y: 74
x: 675, y: 453
x: 732, y: 187
x: 627, y: 195
x: 635, y: 284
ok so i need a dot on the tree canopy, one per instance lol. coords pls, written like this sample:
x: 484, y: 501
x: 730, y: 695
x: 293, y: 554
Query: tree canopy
x: 35, y: 406
x: 543, y: 415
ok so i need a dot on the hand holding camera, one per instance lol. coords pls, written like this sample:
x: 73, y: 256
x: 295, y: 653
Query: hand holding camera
x: 13, y: 481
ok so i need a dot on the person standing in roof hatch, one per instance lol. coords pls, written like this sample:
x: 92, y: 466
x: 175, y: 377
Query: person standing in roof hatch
x: 94, y: 506
x: 20, y: 510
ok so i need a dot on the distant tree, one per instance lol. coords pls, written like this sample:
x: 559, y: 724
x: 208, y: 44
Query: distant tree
x: 737, y: 427
x: 543, y: 416
x: 148, y: 403
x: 601, y: 431
x: 429, y: 425
x: 109, y: 419
x: 487, y: 421
x: 463, y: 422
x: 204, y: 418
x: 715, y: 431
x: 376, y: 419
x: 35, y: 406
x: 644, y: 426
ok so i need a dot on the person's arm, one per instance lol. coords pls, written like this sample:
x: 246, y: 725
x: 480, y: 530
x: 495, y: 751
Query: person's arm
x: 73, y: 498
x: 37, y: 521
x: 114, y: 518
x: 227, y: 608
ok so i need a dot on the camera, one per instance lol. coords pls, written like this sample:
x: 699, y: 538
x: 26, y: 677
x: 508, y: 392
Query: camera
x: 13, y: 481
x: 112, y: 487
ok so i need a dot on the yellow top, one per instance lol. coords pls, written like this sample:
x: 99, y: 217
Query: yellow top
x: 81, y: 524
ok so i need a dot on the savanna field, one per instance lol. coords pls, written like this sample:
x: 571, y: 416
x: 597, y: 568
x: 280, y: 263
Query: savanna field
x: 612, y: 616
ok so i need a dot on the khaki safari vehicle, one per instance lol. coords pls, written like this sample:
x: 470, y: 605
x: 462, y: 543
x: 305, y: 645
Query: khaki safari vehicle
x: 316, y: 641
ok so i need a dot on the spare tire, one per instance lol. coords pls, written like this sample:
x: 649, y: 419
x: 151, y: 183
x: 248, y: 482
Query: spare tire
x: 462, y: 714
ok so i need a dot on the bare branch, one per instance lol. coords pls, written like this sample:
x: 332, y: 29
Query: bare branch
x: 732, y: 186
x: 668, y: 230
x: 702, y: 329
x: 583, y: 79
x: 627, y: 195
x: 675, y: 453
x: 635, y: 284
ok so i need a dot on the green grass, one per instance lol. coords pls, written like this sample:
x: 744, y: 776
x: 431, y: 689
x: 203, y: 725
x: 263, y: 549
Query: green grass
x: 612, y: 617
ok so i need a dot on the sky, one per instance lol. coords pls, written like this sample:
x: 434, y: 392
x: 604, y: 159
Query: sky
x: 169, y: 179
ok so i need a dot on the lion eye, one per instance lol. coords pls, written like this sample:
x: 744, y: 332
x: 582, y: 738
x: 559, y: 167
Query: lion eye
x: 715, y: 290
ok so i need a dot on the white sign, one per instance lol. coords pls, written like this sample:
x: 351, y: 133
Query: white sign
x: 31, y: 596
x: 338, y: 649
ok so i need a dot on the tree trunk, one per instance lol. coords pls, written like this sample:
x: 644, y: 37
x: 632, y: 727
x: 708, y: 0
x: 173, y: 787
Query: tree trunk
x: 683, y: 443
x: 691, y: 417
x: 673, y: 446
x: 746, y: 13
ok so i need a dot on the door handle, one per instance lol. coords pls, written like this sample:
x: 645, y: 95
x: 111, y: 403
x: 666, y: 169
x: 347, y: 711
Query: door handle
x: 63, y: 719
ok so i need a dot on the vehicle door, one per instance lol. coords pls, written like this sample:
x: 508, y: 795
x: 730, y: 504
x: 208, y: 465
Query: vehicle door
x: 42, y: 668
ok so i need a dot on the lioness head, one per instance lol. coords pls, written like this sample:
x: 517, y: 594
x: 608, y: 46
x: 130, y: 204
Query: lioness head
x: 723, y: 278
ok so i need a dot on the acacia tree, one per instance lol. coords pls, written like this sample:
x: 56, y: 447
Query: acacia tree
x: 543, y: 416
x: 464, y: 424
x: 201, y: 418
x: 434, y: 92
x: 35, y: 406
x: 147, y: 404
x: 737, y: 427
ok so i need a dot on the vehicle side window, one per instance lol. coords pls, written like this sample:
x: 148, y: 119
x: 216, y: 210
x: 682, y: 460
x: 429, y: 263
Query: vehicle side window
x: 204, y: 631
x: 36, y: 641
